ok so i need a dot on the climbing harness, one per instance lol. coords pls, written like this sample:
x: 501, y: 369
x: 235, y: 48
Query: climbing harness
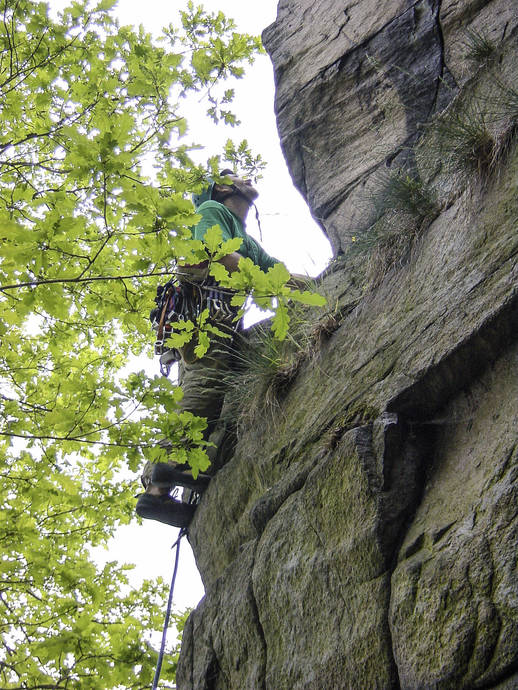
x: 182, y: 300
x: 158, y: 670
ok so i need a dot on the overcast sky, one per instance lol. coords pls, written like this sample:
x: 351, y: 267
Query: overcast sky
x: 289, y: 234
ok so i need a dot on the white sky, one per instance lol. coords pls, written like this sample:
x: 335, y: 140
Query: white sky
x: 289, y: 234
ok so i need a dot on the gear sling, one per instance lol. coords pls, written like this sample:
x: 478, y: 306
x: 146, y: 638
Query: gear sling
x: 183, y: 298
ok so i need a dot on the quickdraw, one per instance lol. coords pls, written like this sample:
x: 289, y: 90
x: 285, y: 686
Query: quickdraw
x: 181, y: 301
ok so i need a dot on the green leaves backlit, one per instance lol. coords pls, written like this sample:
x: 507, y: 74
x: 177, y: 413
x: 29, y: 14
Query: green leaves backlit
x: 84, y: 104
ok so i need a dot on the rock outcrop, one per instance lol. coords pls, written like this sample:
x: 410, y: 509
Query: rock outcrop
x: 365, y: 535
x: 356, y: 81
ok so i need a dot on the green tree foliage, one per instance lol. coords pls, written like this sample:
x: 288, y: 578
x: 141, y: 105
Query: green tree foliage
x: 86, y: 236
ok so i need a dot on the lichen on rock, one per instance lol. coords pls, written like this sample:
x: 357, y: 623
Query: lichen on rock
x: 367, y: 536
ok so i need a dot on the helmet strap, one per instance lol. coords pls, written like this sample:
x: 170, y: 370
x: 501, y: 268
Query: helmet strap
x: 258, y: 221
x: 238, y: 191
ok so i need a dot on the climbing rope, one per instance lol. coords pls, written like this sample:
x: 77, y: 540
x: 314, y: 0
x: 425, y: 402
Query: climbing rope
x: 258, y: 221
x: 183, y: 531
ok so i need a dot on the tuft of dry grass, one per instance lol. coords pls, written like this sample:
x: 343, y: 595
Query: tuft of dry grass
x: 387, y: 245
x: 479, y: 49
x: 266, y: 367
x: 399, y: 190
x: 466, y: 142
x: 403, y: 205
x: 507, y: 102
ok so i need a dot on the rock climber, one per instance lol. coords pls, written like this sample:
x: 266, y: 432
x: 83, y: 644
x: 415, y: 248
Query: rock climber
x: 202, y: 380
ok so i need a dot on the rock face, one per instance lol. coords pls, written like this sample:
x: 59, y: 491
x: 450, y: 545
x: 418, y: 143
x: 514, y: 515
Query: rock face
x: 355, y: 83
x: 364, y: 534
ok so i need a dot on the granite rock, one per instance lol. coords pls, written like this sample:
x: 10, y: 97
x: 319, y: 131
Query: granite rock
x: 356, y: 82
x: 365, y: 534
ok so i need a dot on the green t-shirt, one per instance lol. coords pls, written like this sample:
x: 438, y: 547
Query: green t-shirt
x: 214, y: 213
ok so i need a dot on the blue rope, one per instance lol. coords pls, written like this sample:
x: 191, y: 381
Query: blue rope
x: 168, y: 610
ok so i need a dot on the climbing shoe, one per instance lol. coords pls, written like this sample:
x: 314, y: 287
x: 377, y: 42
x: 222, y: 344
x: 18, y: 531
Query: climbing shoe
x: 164, y: 509
x: 165, y: 475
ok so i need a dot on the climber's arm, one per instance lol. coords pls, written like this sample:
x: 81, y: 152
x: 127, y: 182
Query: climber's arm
x: 301, y: 282
x: 231, y: 261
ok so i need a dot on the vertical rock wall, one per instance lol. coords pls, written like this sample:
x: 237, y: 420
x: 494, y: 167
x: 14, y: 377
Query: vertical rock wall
x: 362, y: 529
x: 356, y: 82
x: 453, y: 610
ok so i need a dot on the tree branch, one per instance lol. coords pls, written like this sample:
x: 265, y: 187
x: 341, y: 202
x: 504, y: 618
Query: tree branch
x: 74, y: 439
x: 51, y: 281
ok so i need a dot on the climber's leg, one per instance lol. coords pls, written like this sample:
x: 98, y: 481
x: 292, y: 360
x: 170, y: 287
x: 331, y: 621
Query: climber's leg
x: 203, y: 384
x: 164, y: 509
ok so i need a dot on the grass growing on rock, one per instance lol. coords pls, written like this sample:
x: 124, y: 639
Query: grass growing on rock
x: 479, y: 49
x: 507, y: 103
x: 467, y: 144
x: 403, y: 205
x: 472, y: 139
x: 267, y: 367
x: 400, y: 191
x: 264, y: 371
